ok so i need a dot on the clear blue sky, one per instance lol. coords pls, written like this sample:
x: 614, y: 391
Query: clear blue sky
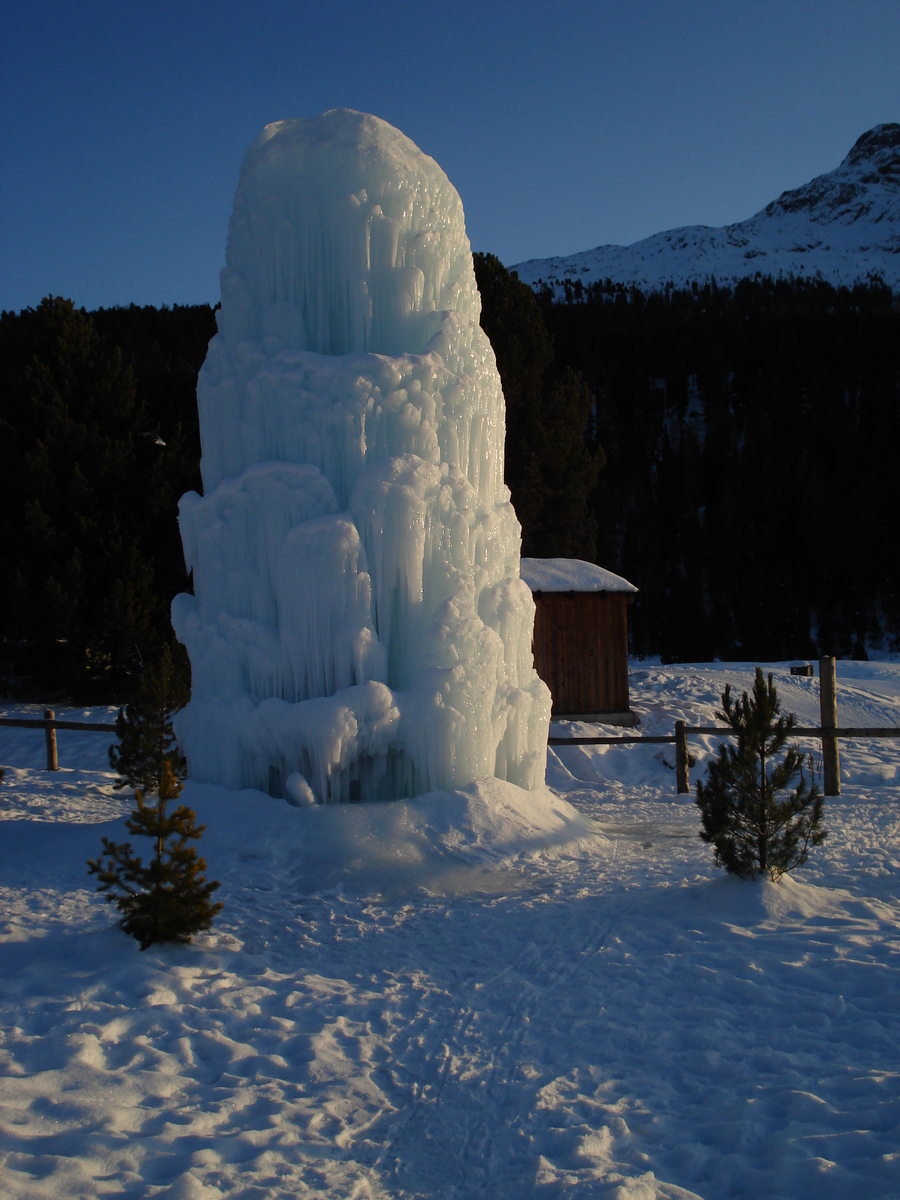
x: 563, y: 125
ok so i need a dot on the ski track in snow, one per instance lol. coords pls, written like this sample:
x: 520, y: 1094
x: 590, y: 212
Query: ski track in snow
x: 609, y: 1018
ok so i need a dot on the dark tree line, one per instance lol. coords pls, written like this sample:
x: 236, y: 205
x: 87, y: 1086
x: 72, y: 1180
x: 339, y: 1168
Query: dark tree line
x: 751, y: 491
x: 553, y: 460
x: 98, y: 439
x: 748, y: 486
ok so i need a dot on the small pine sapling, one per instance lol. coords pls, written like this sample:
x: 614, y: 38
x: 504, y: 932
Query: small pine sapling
x: 168, y: 900
x: 753, y: 826
x: 144, y: 728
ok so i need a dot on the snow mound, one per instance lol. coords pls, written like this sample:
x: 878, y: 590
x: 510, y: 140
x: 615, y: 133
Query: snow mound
x: 756, y: 904
x: 465, y: 839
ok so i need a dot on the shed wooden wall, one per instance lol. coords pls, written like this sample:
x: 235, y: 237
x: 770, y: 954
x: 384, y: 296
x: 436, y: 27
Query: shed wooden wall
x: 581, y: 650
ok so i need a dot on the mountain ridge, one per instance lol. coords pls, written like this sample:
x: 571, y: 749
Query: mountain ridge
x: 842, y: 226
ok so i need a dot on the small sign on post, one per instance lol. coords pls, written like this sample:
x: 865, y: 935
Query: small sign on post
x: 50, y: 735
x: 831, y: 760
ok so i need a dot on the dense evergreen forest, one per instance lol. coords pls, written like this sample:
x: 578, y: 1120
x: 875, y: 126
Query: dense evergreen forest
x: 729, y: 452
x: 751, y: 489
x: 98, y: 439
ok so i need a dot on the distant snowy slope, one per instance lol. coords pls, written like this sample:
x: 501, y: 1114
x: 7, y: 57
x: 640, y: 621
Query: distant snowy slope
x: 844, y: 226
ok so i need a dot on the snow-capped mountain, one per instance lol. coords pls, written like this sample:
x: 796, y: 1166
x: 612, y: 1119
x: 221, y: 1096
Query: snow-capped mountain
x: 843, y: 226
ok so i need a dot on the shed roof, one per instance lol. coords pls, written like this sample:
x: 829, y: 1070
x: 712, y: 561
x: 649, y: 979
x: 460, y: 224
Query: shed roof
x: 570, y: 575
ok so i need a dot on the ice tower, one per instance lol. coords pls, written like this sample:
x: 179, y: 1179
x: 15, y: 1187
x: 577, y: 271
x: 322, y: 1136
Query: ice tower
x: 359, y: 628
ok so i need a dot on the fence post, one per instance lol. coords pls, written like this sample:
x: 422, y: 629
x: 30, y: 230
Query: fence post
x: 831, y: 759
x: 682, y: 768
x: 50, y: 735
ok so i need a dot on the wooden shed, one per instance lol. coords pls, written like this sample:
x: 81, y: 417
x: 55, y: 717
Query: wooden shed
x: 581, y: 637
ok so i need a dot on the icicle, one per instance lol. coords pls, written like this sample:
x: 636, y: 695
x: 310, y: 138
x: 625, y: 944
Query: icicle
x: 359, y: 628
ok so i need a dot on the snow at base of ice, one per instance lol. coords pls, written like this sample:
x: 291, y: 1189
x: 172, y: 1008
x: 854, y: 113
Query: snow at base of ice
x: 482, y: 993
x: 437, y: 840
x: 358, y: 623
x: 571, y: 575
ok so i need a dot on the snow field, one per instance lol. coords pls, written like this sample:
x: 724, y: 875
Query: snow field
x: 485, y: 993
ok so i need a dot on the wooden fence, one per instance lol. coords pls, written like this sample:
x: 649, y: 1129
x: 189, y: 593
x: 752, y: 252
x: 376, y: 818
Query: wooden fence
x: 829, y: 732
x: 49, y: 724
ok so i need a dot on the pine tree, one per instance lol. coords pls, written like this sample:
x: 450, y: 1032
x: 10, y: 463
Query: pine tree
x: 169, y: 899
x: 144, y: 728
x: 99, y: 436
x: 552, y: 458
x: 751, y: 828
x: 512, y: 320
x: 80, y: 593
x: 570, y: 461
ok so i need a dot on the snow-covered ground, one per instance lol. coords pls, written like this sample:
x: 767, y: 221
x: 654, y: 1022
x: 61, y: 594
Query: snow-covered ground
x: 486, y: 994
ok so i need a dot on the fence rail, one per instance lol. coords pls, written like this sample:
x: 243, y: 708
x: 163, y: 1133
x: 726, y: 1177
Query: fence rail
x: 40, y: 723
x: 829, y: 732
x: 887, y: 731
x: 608, y: 741
x: 49, y: 724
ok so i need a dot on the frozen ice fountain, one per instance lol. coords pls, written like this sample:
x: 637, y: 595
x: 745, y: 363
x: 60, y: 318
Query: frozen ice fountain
x: 358, y: 628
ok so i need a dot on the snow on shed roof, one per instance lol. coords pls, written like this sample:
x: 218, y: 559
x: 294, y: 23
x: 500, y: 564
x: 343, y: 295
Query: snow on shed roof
x: 570, y: 575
